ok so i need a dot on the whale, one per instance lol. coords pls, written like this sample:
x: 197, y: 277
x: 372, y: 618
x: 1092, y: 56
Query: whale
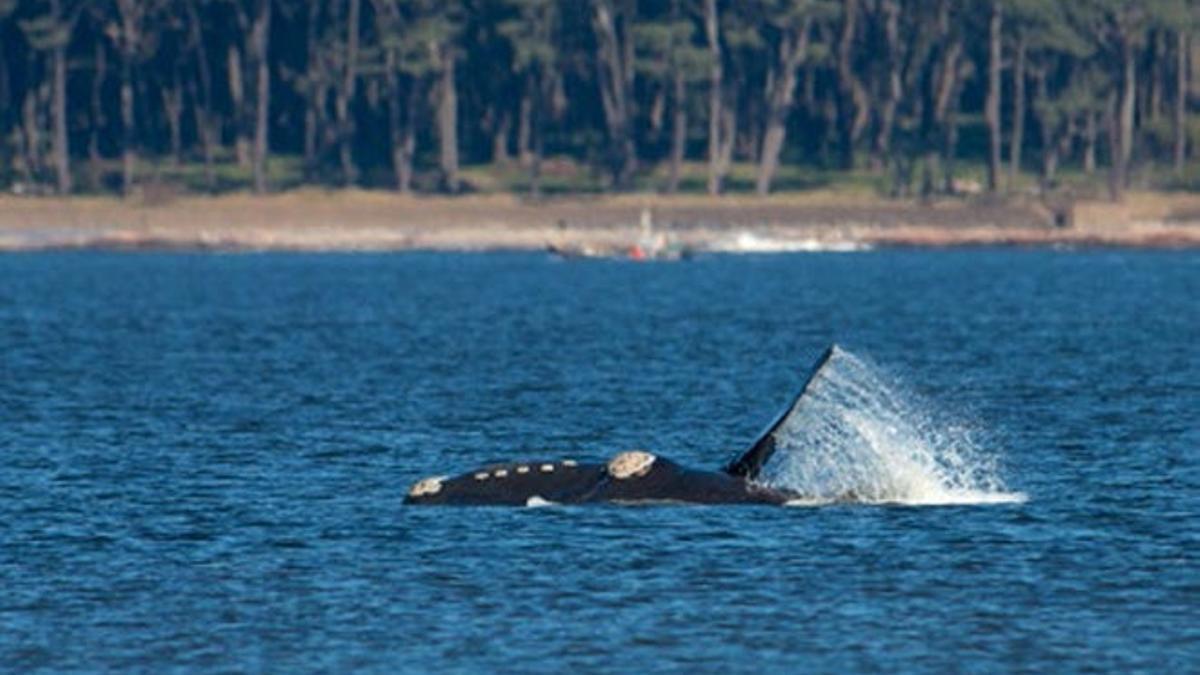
x: 628, y: 477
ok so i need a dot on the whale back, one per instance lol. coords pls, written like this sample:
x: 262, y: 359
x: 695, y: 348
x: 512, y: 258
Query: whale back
x: 665, y: 481
x: 512, y: 484
x: 631, y: 477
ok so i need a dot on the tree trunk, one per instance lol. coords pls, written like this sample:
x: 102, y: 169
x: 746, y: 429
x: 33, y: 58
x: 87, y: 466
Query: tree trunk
x: 948, y: 114
x: 97, y: 121
x: 949, y: 150
x: 780, y: 92
x: 1158, y: 62
x: 658, y: 109
x: 1018, y: 114
x: 992, y: 104
x: 537, y: 110
x: 237, y: 98
x: 5, y: 106
x: 615, y: 74
x: 172, y: 100
x: 397, y: 132
x: 894, y: 86
x: 535, y: 166
x: 261, y: 36
x: 501, y: 124
x: 129, y: 133
x: 204, y: 115
x: 402, y: 130
x: 929, y: 171
x: 1046, y: 126
x: 311, y: 101
x: 853, y: 94
x: 31, y: 148
x: 729, y: 125
x: 345, y: 94
x: 1116, y: 177
x: 1128, y: 97
x: 208, y: 143
x: 524, y: 124
x: 715, y: 75
x: 1089, y: 143
x: 1049, y: 166
x: 448, y: 121
x: 62, y: 149
x: 678, y: 131
x: 1181, y: 94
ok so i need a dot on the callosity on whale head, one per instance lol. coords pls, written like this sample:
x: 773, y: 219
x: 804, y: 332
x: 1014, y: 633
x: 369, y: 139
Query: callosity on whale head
x: 630, y: 464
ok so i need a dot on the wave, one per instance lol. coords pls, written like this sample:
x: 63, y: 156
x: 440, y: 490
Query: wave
x: 858, y: 436
x: 750, y: 242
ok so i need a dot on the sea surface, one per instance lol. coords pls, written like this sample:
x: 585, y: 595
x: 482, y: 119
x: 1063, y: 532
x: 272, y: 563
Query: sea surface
x: 203, y: 459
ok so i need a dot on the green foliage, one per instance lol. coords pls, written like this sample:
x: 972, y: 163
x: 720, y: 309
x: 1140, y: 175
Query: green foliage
x: 528, y: 70
x: 531, y: 33
x: 46, y: 32
x: 668, y: 46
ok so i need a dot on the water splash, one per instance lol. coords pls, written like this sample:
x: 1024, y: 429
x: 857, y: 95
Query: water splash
x: 857, y: 435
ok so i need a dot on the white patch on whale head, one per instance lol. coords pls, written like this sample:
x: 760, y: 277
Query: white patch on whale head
x: 537, y: 500
x: 427, y: 486
x: 631, y: 464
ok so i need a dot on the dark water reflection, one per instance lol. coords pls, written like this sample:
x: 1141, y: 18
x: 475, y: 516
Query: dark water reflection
x: 204, y: 458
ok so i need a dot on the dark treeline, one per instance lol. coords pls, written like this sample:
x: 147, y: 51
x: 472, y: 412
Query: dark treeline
x: 402, y: 93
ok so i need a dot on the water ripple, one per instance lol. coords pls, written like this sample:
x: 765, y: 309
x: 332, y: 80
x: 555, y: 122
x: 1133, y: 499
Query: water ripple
x: 204, y: 457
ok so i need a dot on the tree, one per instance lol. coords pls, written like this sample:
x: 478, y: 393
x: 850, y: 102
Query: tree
x: 202, y: 99
x: 717, y: 135
x: 1066, y: 81
x: 1179, y: 119
x: 345, y: 94
x: 854, y: 101
x: 132, y: 36
x: 610, y: 83
x: 260, y: 34
x: 991, y: 107
x: 399, y: 65
x: 889, y: 78
x: 790, y: 27
x: 418, y: 41
x: 611, y: 21
x: 1175, y: 21
x: 50, y: 31
x: 666, y: 55
x: 947, y: 72
x: 532, y: 33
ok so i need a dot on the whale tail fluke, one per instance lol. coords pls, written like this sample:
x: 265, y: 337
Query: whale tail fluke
x: 749, y: 463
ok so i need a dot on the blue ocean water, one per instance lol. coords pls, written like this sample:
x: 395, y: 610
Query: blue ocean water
x: 203, y: 459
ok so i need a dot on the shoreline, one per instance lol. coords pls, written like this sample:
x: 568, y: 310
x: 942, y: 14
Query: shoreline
x: 354, y: 220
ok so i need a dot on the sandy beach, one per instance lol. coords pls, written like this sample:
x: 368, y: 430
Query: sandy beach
x: 317, y: 220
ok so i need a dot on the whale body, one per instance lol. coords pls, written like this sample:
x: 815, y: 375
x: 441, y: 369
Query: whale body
x: 630, y: 477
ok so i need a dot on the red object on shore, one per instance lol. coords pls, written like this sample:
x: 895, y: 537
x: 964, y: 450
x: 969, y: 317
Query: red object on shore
x: 636, y: 252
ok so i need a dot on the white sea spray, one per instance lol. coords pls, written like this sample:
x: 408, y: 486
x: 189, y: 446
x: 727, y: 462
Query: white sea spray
x: 857, y: 435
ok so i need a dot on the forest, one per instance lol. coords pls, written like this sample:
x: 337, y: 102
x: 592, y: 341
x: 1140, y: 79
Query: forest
x: 106, y: 96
